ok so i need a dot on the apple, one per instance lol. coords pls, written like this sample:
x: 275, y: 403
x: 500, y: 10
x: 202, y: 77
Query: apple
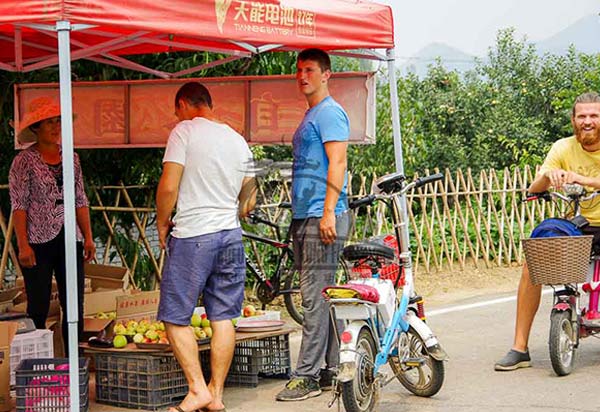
x: 138, y: 338
x: 196, y: 320
x: 119, y: 341
x: 203, y: 316
x: 249, y: 310
x: 200, y: 334
x: 151, y: 334
x: 205, y: 323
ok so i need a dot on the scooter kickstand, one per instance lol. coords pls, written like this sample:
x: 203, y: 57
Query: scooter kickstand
x: 336, y: 396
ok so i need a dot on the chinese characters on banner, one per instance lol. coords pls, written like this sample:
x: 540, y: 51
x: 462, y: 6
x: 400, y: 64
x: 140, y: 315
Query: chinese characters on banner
x: 265, y: 110
x: 264, y: 17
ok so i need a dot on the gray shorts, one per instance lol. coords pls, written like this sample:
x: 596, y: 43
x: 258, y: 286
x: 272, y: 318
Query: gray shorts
x: 211, y: 264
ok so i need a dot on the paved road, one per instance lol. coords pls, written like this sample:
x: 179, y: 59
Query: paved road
x: 474, y: 339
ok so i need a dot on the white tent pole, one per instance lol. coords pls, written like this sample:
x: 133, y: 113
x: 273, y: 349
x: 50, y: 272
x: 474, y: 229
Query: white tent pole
x: 395, y: 108
x: 64, y: 50
x: 391, y: 61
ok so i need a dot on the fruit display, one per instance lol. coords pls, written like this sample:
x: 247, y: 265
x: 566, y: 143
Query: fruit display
x: 143, y: 331
x: 201, y: 326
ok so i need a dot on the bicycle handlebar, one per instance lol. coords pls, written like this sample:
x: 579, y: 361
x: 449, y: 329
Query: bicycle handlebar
x: 547, y: 196
x: 420, y: 182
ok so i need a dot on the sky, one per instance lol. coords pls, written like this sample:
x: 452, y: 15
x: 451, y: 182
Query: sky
x: 471, y: 25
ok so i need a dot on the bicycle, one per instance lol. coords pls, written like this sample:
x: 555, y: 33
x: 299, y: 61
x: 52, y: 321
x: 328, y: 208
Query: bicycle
x: 384, y: 330
x: 284, y: 279
x: 567, y: 261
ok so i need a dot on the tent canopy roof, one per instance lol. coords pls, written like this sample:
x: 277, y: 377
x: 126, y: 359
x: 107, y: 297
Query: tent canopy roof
x: 106, y: 30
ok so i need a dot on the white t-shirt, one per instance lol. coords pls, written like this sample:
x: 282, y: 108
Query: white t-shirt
x: 215, y: 159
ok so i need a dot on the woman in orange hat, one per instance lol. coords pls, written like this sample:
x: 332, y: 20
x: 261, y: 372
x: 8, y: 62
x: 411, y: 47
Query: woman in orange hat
x: 36, y: 195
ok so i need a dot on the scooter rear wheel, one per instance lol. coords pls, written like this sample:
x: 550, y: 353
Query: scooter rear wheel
x: 562, y: 343
x: 360, y: 394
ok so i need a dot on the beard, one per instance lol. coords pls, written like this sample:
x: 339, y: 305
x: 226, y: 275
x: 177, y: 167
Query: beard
x: 587, y: 138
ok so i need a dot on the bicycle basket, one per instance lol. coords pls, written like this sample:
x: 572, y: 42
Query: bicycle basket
x: 558, y: 260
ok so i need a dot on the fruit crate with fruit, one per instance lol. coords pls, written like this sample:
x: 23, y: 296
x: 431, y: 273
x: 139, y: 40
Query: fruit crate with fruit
x: 42, y: 385
x: 139, y: 381
x: 254, y: 359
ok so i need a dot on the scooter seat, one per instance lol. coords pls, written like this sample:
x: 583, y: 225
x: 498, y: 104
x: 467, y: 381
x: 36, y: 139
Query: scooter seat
x: 360, y: 251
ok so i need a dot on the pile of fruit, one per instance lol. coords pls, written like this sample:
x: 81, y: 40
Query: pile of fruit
x: 106, y: 315
x: 201, y: 326
x: 143, y: 331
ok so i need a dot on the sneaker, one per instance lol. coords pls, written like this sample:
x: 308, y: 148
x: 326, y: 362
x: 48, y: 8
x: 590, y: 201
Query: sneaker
x: 513, y: 360
x: 326, y: 379
x: 298, y: 389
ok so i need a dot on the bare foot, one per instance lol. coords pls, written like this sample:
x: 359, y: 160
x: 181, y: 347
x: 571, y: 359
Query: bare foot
x: 194, y: 402
x: 217, y: 402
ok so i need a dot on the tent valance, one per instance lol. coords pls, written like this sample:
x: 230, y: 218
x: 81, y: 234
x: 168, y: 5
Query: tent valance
x: 237, y: 27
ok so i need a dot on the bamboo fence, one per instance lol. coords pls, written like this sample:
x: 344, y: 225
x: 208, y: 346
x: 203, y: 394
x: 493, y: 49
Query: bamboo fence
x: 466, y: 220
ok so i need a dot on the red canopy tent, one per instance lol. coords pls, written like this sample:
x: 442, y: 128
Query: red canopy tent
x: 35, y: 34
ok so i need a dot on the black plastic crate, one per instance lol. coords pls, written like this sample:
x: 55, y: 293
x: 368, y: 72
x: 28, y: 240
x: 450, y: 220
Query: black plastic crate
x: 40, y: 387
x: 253, y: 359
x: 139, y: 381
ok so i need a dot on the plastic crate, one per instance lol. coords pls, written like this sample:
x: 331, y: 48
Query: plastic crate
x: 42, y: 385
x: 254, y: 359
x: 139, y: 381
x: 32, y: 345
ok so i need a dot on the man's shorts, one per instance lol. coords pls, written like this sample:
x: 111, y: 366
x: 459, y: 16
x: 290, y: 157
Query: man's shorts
x: 211, y: 264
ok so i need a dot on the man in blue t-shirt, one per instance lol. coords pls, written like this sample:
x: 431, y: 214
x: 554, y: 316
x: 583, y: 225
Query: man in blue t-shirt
x: 320, y: 220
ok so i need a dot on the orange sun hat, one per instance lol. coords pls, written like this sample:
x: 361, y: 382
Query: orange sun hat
x: 40, y: 108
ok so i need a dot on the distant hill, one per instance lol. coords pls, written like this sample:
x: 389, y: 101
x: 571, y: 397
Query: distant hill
x: 452, y: 59
x: 584, y: 34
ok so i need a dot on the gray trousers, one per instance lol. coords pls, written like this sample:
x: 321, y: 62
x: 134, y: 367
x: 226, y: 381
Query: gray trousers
x: 317, y: 264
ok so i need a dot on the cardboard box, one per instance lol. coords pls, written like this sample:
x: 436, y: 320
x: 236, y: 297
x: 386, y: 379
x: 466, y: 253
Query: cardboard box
x: 138, y: 305
x: 7, y: 333
x: 101, y: 301
x: 92, y: 327
x: 107, y: 276
x: 7, y: 298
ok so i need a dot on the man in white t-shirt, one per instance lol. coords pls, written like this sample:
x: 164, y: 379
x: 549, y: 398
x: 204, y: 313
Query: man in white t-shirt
x: 207, y: 172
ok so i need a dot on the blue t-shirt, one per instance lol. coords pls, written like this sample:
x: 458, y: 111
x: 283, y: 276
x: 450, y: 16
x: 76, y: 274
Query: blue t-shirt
x: 325, y: 122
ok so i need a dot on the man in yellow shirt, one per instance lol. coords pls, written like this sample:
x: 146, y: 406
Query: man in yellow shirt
x: 574, y: 159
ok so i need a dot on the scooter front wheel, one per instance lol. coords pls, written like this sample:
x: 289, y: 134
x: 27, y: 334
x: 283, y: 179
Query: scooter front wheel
x: 414, y: 367
x: 562, y: 343
x: 360, y: 394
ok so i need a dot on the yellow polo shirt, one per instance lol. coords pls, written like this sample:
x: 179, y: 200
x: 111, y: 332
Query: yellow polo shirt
x: 567, y: 154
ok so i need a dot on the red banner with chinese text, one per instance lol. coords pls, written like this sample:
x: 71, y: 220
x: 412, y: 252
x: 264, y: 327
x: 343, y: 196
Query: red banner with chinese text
x: 265, y: 109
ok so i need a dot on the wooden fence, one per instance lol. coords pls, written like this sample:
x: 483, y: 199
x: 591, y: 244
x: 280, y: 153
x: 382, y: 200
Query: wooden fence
x: 466, y: 220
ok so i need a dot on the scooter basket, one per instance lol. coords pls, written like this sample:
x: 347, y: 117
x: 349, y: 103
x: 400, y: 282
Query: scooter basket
x: 558, y: 260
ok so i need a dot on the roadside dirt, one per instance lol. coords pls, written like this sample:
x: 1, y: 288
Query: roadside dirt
x: 446, y: 287
x: 455, y: 286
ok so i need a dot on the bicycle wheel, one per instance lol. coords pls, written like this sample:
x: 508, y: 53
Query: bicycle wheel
x: 293, y: 299
x: 561, y: 343
x: 360, y: 394
x: 425, y: 375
